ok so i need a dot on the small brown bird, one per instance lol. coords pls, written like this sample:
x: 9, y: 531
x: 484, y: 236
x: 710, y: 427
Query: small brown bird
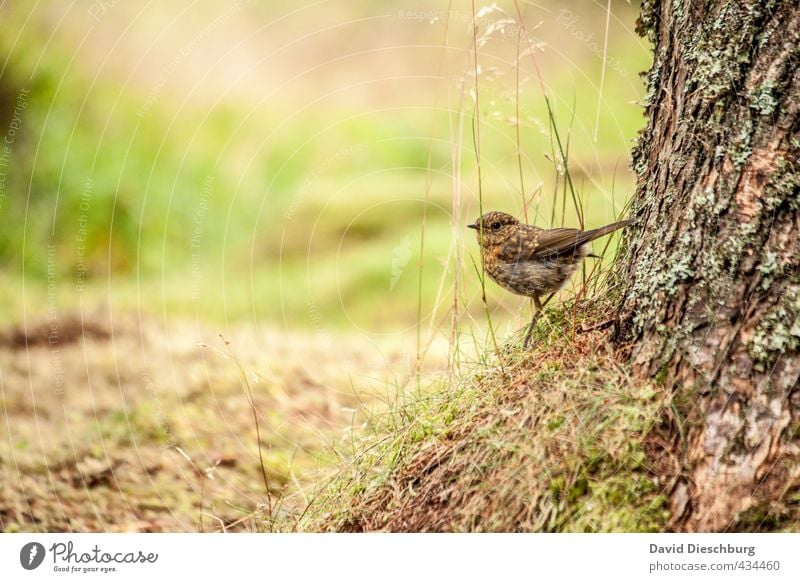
x: 532, y: 261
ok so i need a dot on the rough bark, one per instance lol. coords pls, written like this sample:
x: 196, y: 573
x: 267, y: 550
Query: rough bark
x: 711, y: 299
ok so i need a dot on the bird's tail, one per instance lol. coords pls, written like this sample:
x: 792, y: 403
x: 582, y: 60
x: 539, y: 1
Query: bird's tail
x: 604, y: 230
x: 565, y: 241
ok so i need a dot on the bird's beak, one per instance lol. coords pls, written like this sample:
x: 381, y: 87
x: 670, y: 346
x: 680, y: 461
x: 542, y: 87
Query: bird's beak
x: 474, y: 226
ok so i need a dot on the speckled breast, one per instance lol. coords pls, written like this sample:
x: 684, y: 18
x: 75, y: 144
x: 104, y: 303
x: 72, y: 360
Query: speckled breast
x: 533, y: 277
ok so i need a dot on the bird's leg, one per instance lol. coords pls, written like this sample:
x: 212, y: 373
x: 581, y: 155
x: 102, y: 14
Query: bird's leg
x: 538, y: 306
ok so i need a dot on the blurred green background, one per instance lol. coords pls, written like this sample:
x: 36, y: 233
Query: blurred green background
x: 270, y: 162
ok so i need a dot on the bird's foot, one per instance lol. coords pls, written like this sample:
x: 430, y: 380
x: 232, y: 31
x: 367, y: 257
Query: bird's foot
x: 528, y: 336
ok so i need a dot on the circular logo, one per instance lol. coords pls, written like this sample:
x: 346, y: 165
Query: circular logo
x: 31, y: 555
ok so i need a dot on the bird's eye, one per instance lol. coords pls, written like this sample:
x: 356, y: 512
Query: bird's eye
x: 496, y: 226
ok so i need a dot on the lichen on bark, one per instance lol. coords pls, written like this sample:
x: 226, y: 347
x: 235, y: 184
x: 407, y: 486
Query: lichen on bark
x: 712, y: 293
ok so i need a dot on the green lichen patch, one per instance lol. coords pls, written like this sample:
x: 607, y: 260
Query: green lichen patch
x: 763, y: 98
x: 778, y: 332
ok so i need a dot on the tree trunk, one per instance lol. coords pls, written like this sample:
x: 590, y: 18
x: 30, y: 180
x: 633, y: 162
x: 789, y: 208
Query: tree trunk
x: 711, y: 300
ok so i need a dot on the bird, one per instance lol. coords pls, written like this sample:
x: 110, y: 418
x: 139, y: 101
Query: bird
x: 532, y: 261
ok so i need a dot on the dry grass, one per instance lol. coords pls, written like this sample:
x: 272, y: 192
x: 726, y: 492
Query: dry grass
x: 555, y: 442
x: 145, y: 425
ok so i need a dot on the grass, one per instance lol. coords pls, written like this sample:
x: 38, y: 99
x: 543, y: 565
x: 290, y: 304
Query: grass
x: 298, y: 211
x: 133, y: 425
x: 304, y: 222
x: 555, y: 441
x: 294, y: 191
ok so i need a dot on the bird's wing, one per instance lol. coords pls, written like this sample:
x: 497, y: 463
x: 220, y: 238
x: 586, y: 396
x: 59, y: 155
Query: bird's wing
x: 560, y: 241
x: 521, y: 245
x: 537, y: 243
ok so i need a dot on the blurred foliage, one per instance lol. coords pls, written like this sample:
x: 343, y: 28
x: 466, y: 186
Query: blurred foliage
x: 275, y: 211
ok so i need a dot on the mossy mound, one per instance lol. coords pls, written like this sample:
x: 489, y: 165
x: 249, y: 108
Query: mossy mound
x: 558, y: 438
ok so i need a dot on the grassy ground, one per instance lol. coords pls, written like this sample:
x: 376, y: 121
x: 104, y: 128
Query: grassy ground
x: 131, y: 424
x: 136, y: 424
x: 556, y: 439
x: 190, y: 169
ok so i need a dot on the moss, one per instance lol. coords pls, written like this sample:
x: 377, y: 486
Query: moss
x: 661, y: 376
x: 608, y: 505
x: 780, y: 516
x: 757, y: 519
x: 557, y: 486
x: 586, y: 470
x: 578, y: 490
